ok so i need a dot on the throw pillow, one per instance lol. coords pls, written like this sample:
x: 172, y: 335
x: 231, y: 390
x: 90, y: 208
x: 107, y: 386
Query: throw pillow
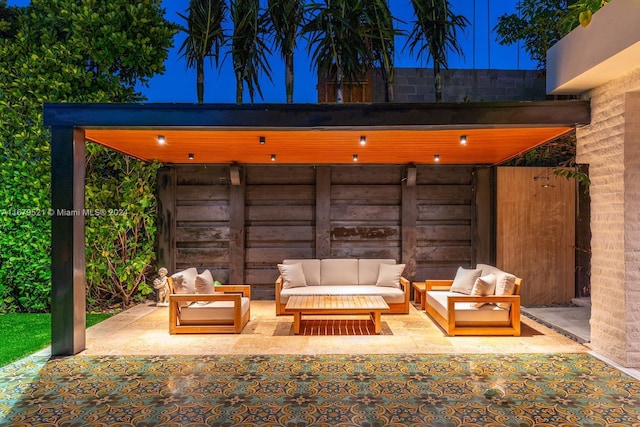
x: 464, y: 280
x: 389, y: 275
x: 292, y: 275
x: 184, y: 282
x: 505, y: 285
x: 204, y: 283
x: 484, y: 285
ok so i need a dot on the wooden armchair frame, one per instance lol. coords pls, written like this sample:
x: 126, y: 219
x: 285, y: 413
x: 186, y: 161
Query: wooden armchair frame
x: 223, y: 293
x: 453, y: 327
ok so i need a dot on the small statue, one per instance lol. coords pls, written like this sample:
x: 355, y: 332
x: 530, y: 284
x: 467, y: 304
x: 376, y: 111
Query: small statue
x: 162, y: 285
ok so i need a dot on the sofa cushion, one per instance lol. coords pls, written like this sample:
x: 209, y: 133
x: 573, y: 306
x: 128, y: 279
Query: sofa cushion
x: 310, y: 268
x: 339, y: 272
x: 484, y: 285
x: 465, y: 312
x: 204, y: 283
x: 390, y: 295
x: 505, y: 282
x: 292, y: 275
x: 213, y: 313
x: 464, y: 280
x: 368, y: 270
x: 389, y: 275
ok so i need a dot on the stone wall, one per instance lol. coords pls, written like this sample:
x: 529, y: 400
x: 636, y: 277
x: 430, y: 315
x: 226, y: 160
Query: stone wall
x: 611, y: 147
x: 463, y: 85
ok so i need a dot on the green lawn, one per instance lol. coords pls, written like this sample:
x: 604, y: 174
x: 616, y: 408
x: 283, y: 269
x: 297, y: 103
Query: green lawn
x: 26, y: 333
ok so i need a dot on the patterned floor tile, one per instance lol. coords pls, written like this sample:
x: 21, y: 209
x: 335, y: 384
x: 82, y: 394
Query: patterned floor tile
x: 318, y: 390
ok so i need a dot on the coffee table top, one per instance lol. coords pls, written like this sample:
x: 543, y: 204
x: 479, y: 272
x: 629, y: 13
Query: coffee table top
x: 351, y: 303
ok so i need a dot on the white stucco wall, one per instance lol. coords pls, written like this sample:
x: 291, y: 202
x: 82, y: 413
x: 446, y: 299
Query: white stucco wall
x: 611, y: 147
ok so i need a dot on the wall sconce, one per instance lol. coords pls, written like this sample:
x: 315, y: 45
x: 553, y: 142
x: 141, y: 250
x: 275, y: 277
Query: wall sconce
x: 263, y: 140
x: 363, y: 140
x: 436, y: 157
x: 273, y: 157
x: 463, y: 139
x: 191, y: 156
x: 161, y: 139
x: 546, y: 181
x: 355, y: 157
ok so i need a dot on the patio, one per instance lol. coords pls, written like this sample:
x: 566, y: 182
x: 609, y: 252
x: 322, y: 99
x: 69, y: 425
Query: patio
x: 144, y: 330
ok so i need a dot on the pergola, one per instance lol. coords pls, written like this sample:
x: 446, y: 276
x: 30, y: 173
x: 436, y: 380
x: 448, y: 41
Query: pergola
x: 270, y: 134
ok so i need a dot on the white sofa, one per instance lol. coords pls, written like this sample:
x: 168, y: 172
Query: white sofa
x: 480, y: 301
x: 343, y: 276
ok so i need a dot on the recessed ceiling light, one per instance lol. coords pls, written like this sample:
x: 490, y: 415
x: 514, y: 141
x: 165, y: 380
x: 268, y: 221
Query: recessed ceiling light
x: 161, y: 139
x: 436, y: 157
x: 191, y: 156
x: 355, y: 157
x: 263, y: 140
x: 273, y: 157
x: 363, y: 140
x: 463, y: 139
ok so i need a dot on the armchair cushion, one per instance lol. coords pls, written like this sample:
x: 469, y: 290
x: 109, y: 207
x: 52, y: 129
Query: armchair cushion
x: 211, y: 312
x: 184, y: 282
x: 204, y: 283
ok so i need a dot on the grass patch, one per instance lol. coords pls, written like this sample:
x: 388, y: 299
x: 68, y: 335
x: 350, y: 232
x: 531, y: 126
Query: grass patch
x: 26, y: 333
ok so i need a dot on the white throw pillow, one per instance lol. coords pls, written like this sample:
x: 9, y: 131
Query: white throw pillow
x: 464, y: 280
x: 204, y: 283
x: 292, y: 275
x: 389, y: 275
x: 505, y: 285
x: 483, y: 286
x: 184, y: 282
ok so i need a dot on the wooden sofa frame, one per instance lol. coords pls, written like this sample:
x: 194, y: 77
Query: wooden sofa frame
x: 394, y: 308
x: 453, y: 327
x: 223, y: 293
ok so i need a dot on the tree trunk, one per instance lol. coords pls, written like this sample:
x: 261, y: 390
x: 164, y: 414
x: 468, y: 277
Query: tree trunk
x: 437, y: 80
x: 239, y: 88
x: 200, y: 79
x: 288, y: 77
x: 339, y: 98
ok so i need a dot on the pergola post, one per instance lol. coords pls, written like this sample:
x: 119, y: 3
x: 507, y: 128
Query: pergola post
x: 68, y: 275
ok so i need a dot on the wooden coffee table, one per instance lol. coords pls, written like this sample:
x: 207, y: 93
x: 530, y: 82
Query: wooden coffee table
x: 336, y: 304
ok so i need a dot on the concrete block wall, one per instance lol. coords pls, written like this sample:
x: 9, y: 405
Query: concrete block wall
x: 611, y: 147
x: 463, y: 85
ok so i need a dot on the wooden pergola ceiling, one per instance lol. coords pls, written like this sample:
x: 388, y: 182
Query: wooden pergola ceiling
x: 323, y: 133
x: 309, y: 146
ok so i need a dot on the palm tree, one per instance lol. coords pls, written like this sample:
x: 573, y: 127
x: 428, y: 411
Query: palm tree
x: 286, y: 22
x: 205, y: 36
x: 380, y: 33
x: 248, y: 49
x: 434, y: 33
x: 337, y: 41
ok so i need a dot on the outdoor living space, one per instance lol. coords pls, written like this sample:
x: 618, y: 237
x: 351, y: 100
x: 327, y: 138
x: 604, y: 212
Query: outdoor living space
x: 144, y: 330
